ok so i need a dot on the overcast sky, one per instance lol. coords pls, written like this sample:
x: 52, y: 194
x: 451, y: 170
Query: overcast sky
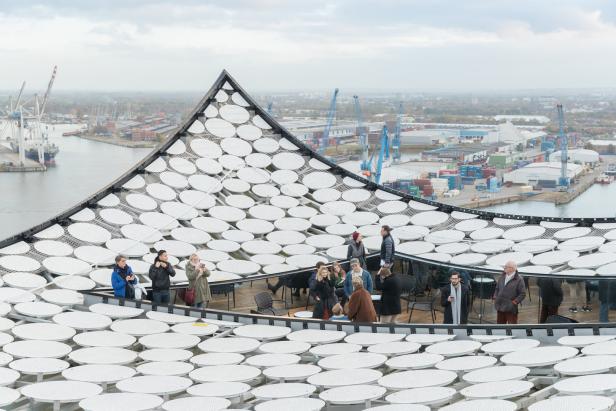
x: 423, y: 45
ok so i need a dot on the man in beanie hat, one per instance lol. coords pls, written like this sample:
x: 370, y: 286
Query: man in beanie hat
x: 356, y: 250
x: 388, y: 247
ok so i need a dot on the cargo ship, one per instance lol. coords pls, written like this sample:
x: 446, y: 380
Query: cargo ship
x: 31, y: 151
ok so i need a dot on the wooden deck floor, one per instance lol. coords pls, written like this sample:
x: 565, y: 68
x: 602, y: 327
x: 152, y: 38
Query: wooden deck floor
x: 529, y: 310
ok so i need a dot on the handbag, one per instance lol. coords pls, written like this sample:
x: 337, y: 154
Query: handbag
x: 189, y: 296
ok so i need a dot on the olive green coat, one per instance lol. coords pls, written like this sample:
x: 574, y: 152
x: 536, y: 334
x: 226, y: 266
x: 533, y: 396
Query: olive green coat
x: 201, y: 286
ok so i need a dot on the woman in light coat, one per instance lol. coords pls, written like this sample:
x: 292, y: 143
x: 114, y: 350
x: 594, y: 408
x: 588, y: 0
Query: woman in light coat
x: 197, y: 275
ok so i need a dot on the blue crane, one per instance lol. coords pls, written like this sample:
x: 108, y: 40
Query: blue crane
x: 395, y: 144
x: 330, y: 121
x: 363, y: 136
x: 375, y: 175
x: 564, y: 180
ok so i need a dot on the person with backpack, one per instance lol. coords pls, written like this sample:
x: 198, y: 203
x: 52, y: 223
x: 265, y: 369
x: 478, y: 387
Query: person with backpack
x: 122, y: 279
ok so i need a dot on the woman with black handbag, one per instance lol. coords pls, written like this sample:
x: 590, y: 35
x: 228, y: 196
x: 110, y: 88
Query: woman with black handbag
x: 198, y: 292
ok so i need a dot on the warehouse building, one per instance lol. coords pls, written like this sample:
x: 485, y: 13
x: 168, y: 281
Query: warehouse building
x: 578, y: 156
x: 541, y: 174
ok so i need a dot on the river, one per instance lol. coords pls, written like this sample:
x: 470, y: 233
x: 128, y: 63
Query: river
x: 82, y: 168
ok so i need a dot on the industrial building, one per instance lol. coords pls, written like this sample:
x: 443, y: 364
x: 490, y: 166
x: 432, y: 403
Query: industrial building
x: 544, y: 174
x: 603, y: 147
x: 579, y: 156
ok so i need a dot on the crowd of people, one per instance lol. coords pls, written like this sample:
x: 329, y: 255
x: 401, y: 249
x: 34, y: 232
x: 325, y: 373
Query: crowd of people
x: 348, y: 295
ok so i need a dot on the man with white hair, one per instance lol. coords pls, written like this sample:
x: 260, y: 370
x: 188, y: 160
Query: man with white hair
x: 510, y: 291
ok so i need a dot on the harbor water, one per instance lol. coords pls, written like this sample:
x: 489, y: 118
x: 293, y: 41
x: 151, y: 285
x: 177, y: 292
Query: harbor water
x: 82, y: 168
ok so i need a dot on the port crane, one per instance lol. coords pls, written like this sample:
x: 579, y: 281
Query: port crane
x: 395, y: 144
x: 330, y: 120
x: 24, y: 119
x: 269, y: 107
x: 375, y: 174
x: 363, y: 136
x: 564, y: 180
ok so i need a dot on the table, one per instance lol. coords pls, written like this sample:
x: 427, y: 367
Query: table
x: 37, y: 349
x: 283, y: 390
x: 579, y: 341
x: 295, y: 404
x: 540, y: 356
x: 506, y: 346
x: 293, y: 372
x: 429, y: 339
x: 121, y: 400
x: 169, y: 340
x: 104, y: 338
x: 139, y: 327
x: 102, y: 374
x: 367, y: 339
x: 454, y: 348
x: 239, y: 345
x: 594, y: 364
x: 225, y: 373
x: 352, y: 361
x: 169, y: 318
x: 481, y: 405
x: 8, y: 376
x: 178, y: 368
x: 302, y: 314
x: 417, y: 379
x: 115, y: 311
x: 202, y: 360
x: 353, y: 394
x: 574, y: 402
x: 219, y: 389
x: 341, y: 378
x: 159, y: 385
x: 499, y: 390
x: 165, y: 354
x: 587, y: 384
x: 466, y: 363
x: 395, y: 348
x: 492, y: 374
x: 261, y: 332
x: 43, y: 331
x: 8, y: 396
x: 58, y: 392
x: 326, y: 350
x: 82, y: 320
x: 103, y: 355
x: 432, y: 396
x: 316, y: 336
x: 39, y: 366
x: 414, y: 361
x: 196, y: 404
x: 285, y: 347
x: 272, y: 360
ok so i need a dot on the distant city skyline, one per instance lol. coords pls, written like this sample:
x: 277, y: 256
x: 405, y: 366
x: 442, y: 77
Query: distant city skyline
x: 276, y: 45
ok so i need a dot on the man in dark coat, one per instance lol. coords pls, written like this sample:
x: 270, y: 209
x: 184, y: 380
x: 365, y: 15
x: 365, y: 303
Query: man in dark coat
x: 388, y: 247
x: 551, y: 297
x: 389, y: 285
x: 454, y: 297
x: 510, y: 291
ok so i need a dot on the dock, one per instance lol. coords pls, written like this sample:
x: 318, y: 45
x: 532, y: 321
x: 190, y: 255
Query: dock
x: 9, y: 162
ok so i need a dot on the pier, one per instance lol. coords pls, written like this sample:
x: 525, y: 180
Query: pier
x: 9, y: 162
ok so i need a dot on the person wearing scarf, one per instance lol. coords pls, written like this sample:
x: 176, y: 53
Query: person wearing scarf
x: 122, y: 279
x: 454, y: 298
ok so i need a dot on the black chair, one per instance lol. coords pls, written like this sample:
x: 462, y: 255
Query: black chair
x: 408, y: 284
x: 426, y: 305
x: 226, y: 289
x: 265, y: 305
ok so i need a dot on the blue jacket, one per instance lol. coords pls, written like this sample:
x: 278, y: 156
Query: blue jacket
x: 119, y: 283
x: 348, y: 282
